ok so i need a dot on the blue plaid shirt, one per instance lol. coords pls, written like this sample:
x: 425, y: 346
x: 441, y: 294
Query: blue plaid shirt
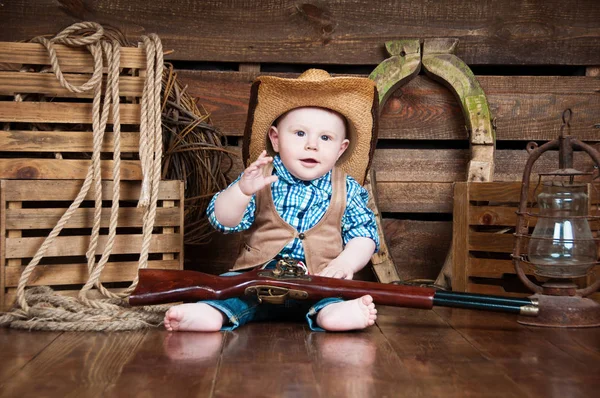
x: 303, y: 203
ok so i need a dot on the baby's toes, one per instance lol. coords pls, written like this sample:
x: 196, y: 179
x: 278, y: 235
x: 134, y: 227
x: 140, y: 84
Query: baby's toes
x: 367, y: 300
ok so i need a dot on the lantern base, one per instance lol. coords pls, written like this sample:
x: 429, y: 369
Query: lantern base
x: 564, y: 312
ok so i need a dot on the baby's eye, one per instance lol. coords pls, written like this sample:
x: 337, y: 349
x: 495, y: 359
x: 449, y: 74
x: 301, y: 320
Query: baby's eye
x: 325, y: 137
x: 300, y: 133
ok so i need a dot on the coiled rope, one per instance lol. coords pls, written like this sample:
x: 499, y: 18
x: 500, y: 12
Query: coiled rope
x: 40, y: 308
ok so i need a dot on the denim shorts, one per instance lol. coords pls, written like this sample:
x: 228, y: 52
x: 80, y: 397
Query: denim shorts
x: 242, y: 310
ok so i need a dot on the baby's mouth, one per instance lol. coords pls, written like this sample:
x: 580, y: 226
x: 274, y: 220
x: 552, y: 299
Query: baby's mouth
x: 309, y: 161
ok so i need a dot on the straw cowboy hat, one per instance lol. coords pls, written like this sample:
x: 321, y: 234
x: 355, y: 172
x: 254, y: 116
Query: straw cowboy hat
x: 353, y: 97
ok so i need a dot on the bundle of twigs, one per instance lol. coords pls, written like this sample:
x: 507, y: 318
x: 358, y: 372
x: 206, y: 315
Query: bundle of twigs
x: 194, y: 151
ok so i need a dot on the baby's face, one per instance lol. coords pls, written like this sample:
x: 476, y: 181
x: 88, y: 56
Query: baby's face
x: 309, y: 141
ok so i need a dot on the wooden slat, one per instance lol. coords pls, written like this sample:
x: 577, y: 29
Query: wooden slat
x: 505, y: 216
x: 525, y: 107
x: 14, y: 233
x: 416, y: 165
x: 70, y: 59
x: 493, y: 215
x: 68, y: 274
x: 511, y: 191
x: 249, y: 67
x: 493, y: 290
x: 59, y: 169
x: 60, y: 112
x: 63, y: 141
x: 346, y: 32
x: 2, y: 242
x: 414, y: 197
x: 497, y: 191
x: 460, y: 265
x: 29, y: 190
x: 77, y: 245
x: 595, y: 194
x: 169, y: 204
x: 491, y: 268
x: 12, y: 83
x: 450, y: 165
x: 488, y: 242
x: 26, y: 219
x: 182, y: 225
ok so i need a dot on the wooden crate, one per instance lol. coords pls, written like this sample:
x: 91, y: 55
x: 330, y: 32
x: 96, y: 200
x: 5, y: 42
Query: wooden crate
x: 483, y: 227
x: 31, y: 208
x: 48, y: 134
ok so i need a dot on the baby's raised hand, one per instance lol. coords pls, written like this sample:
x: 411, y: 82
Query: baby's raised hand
x: 253, y: 178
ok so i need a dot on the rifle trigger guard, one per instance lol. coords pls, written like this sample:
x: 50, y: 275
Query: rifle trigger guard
x: 275, y: 295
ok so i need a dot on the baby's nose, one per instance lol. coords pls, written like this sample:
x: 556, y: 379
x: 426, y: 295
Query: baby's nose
x: 311, y: 143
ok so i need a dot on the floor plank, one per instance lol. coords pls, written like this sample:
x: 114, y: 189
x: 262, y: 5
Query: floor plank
x: 526, y: 354
x: 171, y: 364
x: 18, y: 348
x: 439, y: 360
x: 356, y: 364
x: 266, y: 360
x: 75, y: 364
x: 423, y: 335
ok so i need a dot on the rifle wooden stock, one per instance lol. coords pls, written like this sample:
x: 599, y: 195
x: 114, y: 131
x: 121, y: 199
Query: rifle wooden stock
x: 168, y: 286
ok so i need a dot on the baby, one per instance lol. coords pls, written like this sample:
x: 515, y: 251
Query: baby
x: 297, y: 204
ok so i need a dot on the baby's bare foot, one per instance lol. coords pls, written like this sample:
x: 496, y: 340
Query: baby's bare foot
x: 348, y: 315
x: 193, y: 317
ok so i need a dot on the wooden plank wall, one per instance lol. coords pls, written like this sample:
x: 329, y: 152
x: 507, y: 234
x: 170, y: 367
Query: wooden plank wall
x: 533, y: 59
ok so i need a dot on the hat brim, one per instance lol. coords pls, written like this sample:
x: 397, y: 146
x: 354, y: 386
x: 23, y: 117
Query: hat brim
x: 355, y: 98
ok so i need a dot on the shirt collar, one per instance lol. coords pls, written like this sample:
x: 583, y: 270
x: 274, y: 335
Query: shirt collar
x: 323, y: 182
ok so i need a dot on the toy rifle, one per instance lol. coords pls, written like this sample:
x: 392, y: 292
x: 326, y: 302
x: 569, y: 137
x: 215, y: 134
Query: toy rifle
x: 289, y: 281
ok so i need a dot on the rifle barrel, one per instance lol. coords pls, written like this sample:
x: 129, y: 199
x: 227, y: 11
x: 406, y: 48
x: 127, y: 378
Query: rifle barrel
x: 483, y: 298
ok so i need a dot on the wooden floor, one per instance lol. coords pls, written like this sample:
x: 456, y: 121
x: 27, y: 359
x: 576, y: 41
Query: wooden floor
x: 412, y: 353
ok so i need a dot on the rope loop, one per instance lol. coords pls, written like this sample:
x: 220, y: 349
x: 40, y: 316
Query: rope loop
x: 92, y: 44
x: 69, y: 37
x: 42, y: 309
